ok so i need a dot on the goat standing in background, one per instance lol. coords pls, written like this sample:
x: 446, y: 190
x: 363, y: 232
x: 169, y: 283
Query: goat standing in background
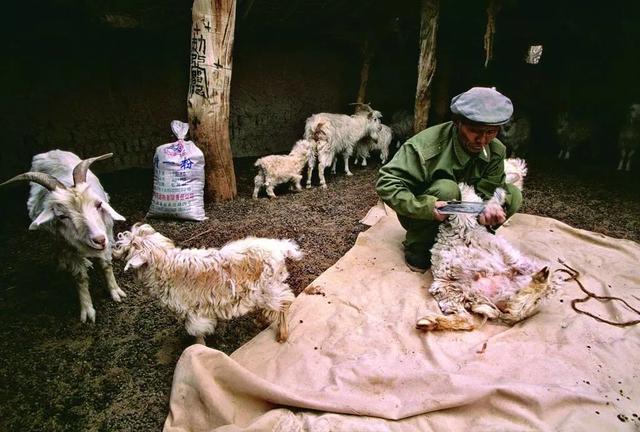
x: 278, y: 169
x: 364, y: 146
x: 516, y: 135
x: 202, y: 286
x: 571, y: 133
x: 68, y: 200
x: 340, y: 133
x: 629, y: 139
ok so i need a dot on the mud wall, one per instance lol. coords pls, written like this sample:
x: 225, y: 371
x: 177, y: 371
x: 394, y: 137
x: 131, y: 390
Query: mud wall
x: 93, y: 90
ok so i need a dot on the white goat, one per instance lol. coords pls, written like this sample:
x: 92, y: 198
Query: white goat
x: 278, y: 169
x: 629, y: 138
x: 516, y: 135
x: 367, y: 144
x: 474, y: 270
x: 203, y: 285
x: 68, y: 200
x: 340, y: 133
x: 571, y: 133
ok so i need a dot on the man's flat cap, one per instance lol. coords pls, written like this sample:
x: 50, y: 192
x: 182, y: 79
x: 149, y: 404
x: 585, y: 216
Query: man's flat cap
x: 483, y: 105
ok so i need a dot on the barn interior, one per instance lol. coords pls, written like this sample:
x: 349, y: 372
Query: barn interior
x: 93, y: 77
x: 110, y: 75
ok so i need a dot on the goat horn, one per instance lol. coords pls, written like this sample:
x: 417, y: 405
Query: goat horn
x: 43, y: 179
x: 80, y: 170
x: 364, y: 105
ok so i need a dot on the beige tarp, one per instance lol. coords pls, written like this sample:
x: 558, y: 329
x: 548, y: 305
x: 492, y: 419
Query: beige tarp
x: 354, y: 361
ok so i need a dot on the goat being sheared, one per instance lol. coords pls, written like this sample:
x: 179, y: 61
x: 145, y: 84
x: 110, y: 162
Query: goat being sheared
x: 480, y: 272
x: 67, y: 200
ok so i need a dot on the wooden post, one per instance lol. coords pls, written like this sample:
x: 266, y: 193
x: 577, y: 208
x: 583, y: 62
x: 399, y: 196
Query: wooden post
x: 367, y: 54
x: 492, y: 11
x: 209, y: 87
x: 426, y: 63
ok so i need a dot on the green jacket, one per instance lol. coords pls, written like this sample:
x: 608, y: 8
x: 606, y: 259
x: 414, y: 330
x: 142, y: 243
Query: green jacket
x: 434, y: 154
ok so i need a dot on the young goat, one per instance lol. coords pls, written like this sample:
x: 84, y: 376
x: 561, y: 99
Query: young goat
x: 474, y: 270
x: 365, y: 145
x: 203, y: 285
x: 278, y: 169
x: 68, y: 200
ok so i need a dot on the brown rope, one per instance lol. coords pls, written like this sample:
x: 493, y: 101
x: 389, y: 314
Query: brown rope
x: 573, y: 275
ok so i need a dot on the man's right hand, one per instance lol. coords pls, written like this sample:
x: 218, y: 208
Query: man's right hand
x: 436, y: 214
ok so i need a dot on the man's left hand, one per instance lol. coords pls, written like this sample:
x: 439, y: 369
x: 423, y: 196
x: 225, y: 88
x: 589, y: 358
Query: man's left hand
x: 493, y: 214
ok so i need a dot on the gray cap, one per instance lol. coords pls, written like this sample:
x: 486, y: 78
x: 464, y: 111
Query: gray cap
x: 483, y: 105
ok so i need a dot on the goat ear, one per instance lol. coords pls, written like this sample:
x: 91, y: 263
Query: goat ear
x: 542, y: 275
x: 43, y: 217
x: 114, y: 214
x: 135, y: 262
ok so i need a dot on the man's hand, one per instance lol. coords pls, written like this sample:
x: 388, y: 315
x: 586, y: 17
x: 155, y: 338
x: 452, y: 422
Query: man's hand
x: 493, y: 214
x: 436, y: 214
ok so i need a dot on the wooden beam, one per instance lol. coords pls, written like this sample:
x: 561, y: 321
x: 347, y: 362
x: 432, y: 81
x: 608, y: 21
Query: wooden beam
x: 426, y: 62
x: 212, y: 31
x: 367, y: 55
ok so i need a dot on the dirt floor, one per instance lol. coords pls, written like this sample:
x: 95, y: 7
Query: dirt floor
x: 115, y: 375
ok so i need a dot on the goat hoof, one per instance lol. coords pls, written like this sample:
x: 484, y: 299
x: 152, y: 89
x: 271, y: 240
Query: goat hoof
x: 324, y: 186
x: 350, y: 173
x: 308, y: 186
x: 88, y: 313
x: 426, y: 324
x: 117, y: 295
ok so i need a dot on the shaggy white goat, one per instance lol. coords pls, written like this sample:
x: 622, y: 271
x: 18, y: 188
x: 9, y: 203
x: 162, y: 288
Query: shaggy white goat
x: 367, y: 144
x: 203, y: 285
x: 479, y: 272
x: 629, y: 138
x: 278, y: 169
x: 516, y: 135
x: 68, y: 200
x: 340, y: 132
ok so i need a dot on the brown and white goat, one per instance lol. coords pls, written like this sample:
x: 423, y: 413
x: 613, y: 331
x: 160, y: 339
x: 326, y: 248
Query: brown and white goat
x: 202, y: 286
x: 67, y: 200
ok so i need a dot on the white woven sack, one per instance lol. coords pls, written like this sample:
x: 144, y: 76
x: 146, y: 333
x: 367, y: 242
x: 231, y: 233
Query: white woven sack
x: 178, y: 178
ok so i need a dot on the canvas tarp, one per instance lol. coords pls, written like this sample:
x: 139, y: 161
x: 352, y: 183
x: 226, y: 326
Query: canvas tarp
x: 355, y: 362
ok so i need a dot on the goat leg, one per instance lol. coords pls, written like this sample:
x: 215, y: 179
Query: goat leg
x: 323, y: 182
x: 298, y: 179
x: 79, y: 268
x: 334, y: 164
x: 283, y: 327
x: 435, y: 322
x: 257, y: 185
x: 107, y: 268
x: 345, y: 157
x: 310, y: 165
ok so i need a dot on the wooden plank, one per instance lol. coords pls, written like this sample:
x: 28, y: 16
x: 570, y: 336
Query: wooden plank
x: 212, y: 33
